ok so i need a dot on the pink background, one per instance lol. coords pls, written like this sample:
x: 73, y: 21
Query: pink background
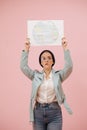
x: 15, y: 88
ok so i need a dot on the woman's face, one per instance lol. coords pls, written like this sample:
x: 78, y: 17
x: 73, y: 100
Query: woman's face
x: 46, y: 60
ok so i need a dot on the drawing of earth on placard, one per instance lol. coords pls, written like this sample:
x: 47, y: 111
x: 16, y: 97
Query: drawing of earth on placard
x: 45, y: 32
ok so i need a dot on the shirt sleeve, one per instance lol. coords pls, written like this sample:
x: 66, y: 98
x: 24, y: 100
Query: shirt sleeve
x: 66, y: 71
x: 24, y: 65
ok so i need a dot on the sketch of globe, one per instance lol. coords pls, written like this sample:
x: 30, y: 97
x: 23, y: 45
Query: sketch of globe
x: 45, y: 32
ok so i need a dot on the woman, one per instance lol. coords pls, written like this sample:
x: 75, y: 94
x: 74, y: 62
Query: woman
x: 47, y: 93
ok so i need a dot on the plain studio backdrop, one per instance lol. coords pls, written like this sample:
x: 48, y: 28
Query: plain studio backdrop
x: 15, y: 88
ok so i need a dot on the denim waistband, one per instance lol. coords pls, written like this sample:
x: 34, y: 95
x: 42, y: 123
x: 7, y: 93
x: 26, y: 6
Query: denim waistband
x: 46, y: 104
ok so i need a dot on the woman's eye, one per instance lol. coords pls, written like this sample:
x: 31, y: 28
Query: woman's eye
x: 43, y: 58
x: 49, y: 58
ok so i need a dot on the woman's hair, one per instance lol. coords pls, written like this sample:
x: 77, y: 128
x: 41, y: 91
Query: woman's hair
x: 53, y: 58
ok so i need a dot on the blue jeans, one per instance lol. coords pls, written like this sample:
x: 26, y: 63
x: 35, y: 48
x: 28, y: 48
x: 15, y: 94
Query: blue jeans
x: 47, y: 117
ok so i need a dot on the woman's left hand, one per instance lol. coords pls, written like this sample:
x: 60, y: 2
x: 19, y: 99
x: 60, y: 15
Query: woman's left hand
x: 64, y: 43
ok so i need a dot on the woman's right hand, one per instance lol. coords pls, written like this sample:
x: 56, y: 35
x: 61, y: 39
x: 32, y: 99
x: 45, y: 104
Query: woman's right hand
x: 27, y: 44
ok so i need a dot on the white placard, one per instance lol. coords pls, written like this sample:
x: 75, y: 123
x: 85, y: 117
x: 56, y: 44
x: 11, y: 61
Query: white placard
x: 45, y: 32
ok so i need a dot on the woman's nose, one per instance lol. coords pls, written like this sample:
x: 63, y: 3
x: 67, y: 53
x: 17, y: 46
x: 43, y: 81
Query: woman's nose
x: 46, y: 60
